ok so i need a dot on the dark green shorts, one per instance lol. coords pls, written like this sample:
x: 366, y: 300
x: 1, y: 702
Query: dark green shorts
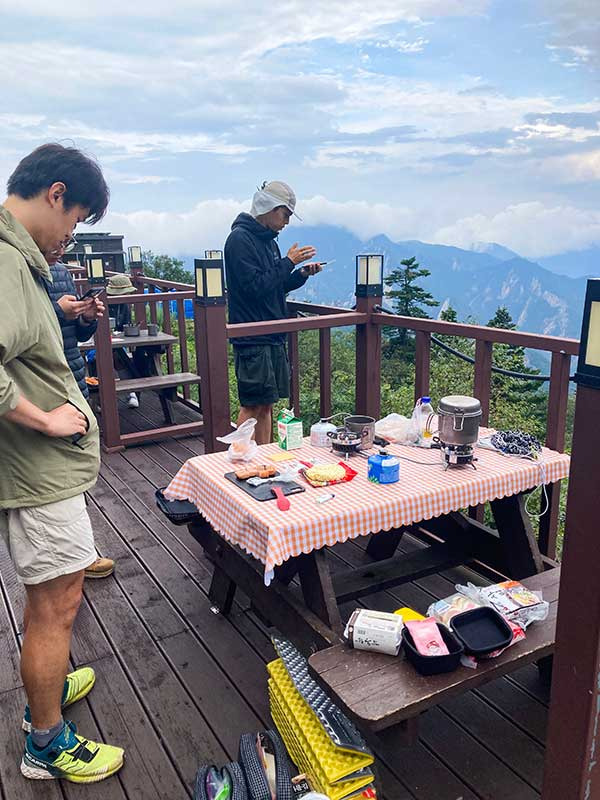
x: 263, y: 374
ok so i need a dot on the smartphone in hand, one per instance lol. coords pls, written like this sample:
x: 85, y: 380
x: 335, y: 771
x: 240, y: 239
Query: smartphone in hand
x: 93, y: 292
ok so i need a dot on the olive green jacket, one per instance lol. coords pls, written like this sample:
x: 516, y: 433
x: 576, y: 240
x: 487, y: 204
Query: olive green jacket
x: 36, y: 469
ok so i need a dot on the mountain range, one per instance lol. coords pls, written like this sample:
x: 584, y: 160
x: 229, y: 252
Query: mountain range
x: 474, y: 282
x: 540, y: 297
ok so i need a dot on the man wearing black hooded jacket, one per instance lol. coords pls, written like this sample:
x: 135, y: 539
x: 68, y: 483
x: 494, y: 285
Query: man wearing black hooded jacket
x: 258, y: 279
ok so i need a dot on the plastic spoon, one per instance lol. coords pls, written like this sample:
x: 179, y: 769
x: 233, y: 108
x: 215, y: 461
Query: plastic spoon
x: 283, y: 504
x: 287, y: 476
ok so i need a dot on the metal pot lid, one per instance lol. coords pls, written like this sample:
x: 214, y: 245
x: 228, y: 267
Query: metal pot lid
x: 460, y: 404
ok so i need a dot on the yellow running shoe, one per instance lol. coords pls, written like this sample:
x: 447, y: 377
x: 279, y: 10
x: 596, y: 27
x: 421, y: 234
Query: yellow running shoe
x: 71, y: 757
x: 77, y: 685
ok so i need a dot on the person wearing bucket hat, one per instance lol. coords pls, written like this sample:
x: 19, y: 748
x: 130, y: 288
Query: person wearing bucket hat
x: 117, y: 286
x: 258, y: 279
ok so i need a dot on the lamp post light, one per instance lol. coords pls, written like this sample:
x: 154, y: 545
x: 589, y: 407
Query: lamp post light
x: 572, y: 768
x: 95, y: 270
x: 135, y: 256
x: 213, y: 254
x: 210, y: 335
x: 209, y: 281
x: 369, y: 275
x: 369, y: 292
x: 87, y: 249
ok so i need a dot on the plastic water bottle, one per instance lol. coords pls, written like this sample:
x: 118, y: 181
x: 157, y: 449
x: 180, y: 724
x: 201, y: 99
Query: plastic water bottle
x: 425, y: 415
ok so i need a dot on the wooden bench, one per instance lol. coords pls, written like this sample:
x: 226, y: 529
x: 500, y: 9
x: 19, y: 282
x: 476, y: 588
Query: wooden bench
x: 164, y: 385
x: 384, y: 695
x: 156, y: 382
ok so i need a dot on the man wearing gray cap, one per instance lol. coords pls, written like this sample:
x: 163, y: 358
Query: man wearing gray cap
x: 258, y: 279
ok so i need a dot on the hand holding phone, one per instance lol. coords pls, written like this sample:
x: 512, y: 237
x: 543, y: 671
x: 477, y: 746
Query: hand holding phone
x: 93, y: 292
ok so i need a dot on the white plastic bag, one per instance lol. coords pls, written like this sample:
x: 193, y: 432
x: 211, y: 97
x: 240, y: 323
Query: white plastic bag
x: 242, y: 446
x: 397, y: 428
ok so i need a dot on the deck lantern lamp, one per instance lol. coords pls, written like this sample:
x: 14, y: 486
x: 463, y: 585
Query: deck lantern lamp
x: 95, y: 270
x: 135, y: 255
x: 87, y: 249
x: 212, y: 254
x: 369, y: 275
x: 210, y: 281
x: 588, y: 365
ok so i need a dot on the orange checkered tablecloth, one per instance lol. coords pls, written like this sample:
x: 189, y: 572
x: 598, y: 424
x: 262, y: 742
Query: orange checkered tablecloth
x: 359, y: 507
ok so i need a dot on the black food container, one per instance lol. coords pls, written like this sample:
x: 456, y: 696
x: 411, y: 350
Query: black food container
x: 432, y: 665
x: 482, y: 630
x: 179, y: 512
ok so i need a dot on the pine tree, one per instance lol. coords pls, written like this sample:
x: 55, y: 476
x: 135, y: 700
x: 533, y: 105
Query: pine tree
x: 408, y: 301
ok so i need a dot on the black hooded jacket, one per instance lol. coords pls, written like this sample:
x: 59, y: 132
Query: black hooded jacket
x: 258, y: 278
x: 73, y: 330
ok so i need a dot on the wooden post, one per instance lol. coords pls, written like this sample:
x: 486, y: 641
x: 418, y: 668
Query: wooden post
x: 325, y: 371
x: 422, y: 363
x: 111, y: 429
x: 139, y: 309
x: 294, y: 360
x: 483, y: 377
x: 368, y: 361
x: 572, y: 767
x: 482, y: 390
x: 555, y: 438
x: 210, y: 334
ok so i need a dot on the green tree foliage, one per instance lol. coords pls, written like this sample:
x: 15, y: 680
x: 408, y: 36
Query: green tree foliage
x: 515, y: 403
x: 408, y: 299
x: 165, y: 267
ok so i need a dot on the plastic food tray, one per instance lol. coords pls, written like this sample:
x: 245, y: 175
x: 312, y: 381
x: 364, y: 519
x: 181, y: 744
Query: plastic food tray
x: 482, y: 630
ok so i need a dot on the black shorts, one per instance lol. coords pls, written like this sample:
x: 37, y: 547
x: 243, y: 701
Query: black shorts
x: 263, y: 374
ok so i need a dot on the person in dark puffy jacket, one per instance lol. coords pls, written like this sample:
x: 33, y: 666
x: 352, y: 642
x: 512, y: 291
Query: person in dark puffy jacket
x: 74, y: 329
x: 258, y: 279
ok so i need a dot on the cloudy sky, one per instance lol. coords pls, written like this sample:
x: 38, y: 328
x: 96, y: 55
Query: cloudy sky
x: 451, y: 121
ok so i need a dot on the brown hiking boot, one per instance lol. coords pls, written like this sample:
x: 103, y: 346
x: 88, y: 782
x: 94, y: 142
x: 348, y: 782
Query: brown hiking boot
x: 101, y: 568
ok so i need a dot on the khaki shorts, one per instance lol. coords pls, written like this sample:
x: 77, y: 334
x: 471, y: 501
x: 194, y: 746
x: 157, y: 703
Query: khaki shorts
x: 48, y: 541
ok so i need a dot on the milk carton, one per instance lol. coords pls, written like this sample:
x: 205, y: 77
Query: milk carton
x: 289, y: 430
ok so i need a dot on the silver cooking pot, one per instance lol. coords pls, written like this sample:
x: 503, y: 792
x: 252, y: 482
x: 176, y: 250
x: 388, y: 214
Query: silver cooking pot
x: 458, y: 419
x: 365, y: 426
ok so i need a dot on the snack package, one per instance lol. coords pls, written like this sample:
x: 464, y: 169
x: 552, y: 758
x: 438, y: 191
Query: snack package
x: 511, y: 599
x: 374, y: 630
x: 427, y: 638
x: 444, y: 610
x: 242, y: 446
x: 327, y: 474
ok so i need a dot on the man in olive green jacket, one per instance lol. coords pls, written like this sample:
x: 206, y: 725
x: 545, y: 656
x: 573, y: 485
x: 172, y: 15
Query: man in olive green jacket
x: 49, y: 455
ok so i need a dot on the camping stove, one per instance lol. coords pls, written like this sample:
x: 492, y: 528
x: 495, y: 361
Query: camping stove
x: 456, y: 455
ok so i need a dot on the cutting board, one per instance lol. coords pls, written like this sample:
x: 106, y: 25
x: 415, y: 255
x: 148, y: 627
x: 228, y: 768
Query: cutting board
x: 263, y: 492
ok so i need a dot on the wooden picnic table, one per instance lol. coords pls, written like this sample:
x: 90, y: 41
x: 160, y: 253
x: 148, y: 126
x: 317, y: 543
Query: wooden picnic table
x: 143, y: 340
x: 260, y: 549
x: 163, y: 384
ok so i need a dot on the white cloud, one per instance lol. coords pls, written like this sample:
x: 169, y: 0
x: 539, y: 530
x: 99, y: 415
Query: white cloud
x: 574, y: 168
x: 575, y: 30
x: 544, y: 130
x: 208, y: 223
x: 532, y: 229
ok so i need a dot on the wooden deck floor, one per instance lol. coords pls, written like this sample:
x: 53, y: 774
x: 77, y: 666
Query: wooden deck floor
x: 177, y: 684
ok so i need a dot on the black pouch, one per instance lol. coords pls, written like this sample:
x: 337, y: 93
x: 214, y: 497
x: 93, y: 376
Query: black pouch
x: 236, y: 778
x: 179, y: 512
x: 259, y: 787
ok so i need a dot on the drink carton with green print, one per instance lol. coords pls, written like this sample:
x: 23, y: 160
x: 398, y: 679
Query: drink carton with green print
x: 289, y: 430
